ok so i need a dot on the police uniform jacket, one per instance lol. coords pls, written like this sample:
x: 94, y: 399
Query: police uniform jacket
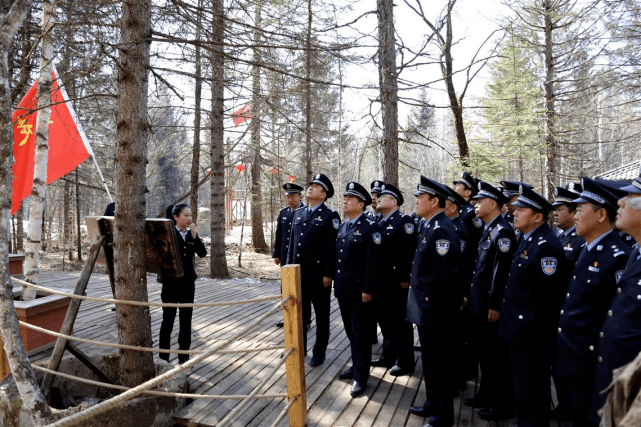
x: 398, y: 234
x: 473, y: 224
x: 620, y: 337
x: 467, y: 255
x: 283, y: 233
x: 627, y: 239
x: 188, y: 248
x: 357, y: 259
x: 493, y: 262
x: 533, y: 290
x: 313, y: 244
x: 572, y: 244
x: 373, y: 216
x: 587, y: 301
x: 435, y: 288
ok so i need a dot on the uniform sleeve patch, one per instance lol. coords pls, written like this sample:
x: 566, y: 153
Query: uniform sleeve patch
x: 409, y: 228
x: 376, y: 237
x: 477, y: 222
x: 548, y: 265
x: 504, y: 245
x: 617, y: 275
x: 336, y: 223
x: 442, y: 247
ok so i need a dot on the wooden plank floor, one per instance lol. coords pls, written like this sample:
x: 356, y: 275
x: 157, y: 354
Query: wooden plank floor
x: 385, y: 402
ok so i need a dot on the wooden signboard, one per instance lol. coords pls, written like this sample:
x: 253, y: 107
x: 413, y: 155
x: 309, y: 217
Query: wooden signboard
x: 163, y: 256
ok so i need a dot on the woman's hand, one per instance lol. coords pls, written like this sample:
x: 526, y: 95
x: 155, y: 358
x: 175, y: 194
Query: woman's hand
x: 193, y: 229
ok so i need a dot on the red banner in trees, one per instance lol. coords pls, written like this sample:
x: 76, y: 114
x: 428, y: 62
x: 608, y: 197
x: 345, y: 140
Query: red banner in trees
x: 242, y: 115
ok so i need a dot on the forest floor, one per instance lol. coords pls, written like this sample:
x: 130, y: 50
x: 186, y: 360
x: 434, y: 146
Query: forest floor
x: 258, y: 266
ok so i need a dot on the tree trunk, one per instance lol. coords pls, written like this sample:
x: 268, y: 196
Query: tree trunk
x: 134, y: 323
x: 36, y: 218
x: 68, y: 219
x: 218, y: 265
x: 195, y: 161
x: 550, y: 113
x: 78, y: 234
x: 388, y: 89
x: 33, y: 401
x: 258, y: 234
x: 308, y: 95
x: 20, y: 230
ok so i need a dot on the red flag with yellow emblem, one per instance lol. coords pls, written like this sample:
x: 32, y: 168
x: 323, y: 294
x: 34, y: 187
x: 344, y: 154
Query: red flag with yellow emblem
x: 68, y: 146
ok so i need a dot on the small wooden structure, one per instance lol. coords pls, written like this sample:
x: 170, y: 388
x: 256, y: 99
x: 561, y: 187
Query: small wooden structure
x: 16, y: 262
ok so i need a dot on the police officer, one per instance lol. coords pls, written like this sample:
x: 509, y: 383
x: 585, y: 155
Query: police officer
x: 435, y: 298
x: 375, y: 190
x: 530, y: 310
x: 614, y: 187
x: 284, y: 226
x: 588, y: 298
x: 355, y: 281
x: 398, y: 234
x: 510, y: 189
x: 313, y: 246
x: 284, y: 222
x: 491, y: 268
x: 620, y: 336
x: 564, y: 219
x: 466, y: 186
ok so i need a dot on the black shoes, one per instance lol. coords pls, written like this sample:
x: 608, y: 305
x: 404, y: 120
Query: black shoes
x: 417, y: 348
x: 419, y: 410
x: 397, y: 371
x: 280, y: 324
x: 382, y: 361
x: 357, y: 389
x: 346, y: 375
x: 490, y: 414
x: 316, y: 361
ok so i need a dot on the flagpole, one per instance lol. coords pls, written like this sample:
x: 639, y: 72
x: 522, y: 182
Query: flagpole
x: 81, y: 131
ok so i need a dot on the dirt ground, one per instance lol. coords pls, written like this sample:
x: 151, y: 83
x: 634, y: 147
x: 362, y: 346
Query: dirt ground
x: 254, y: 265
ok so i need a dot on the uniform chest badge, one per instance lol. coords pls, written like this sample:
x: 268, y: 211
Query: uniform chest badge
x: 376, y: 237
x: 524, y: 255
x: 442, y: 247
x: 462, y: 245
x: 390, y: 227
x: 594, y: 267
x: 335, y: 222
x: 409, y: 228
x: 548, y: 264
x: 357, y: 232
x: 617, y: 275
x: 504, y: 245
x: 477, y: 222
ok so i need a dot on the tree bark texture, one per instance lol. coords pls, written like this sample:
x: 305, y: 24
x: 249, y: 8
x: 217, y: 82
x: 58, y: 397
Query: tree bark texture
x: 33, y: 401
x: 308, y: 95
x: 134, y: 323
x: 218, y: 265
x: 258, y: 235
x: 388, y: 89
x: 195, y: 161
x: 34, y: 233
x: 550, y: 113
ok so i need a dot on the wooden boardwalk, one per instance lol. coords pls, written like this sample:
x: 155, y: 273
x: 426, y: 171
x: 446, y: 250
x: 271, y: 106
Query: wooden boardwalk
x: 385, y: 402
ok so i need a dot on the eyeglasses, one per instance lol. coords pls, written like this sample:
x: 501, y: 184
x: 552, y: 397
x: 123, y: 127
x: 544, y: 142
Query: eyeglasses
x: 385, y: 196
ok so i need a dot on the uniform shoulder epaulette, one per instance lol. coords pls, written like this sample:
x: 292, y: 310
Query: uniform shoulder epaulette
x: 371, y: 222
x: 542, y: 241
x: 436, y: 225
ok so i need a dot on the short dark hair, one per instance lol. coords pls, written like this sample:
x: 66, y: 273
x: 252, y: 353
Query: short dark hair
x: 441, y: 200
x: 612, y: 214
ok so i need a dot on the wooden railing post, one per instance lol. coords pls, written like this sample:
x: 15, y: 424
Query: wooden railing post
x: 293, y: 326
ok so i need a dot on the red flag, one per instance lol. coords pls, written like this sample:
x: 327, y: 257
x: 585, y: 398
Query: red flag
x: 68, y: 146
x: 242, y: 115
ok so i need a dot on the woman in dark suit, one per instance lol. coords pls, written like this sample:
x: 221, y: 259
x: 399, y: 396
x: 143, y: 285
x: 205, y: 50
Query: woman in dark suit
x: 180, y: 289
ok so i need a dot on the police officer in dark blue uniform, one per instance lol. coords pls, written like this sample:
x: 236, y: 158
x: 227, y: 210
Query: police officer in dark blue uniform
x: 564, y: 219
x: 434, y: 300
x: 398, y: 234
x: 284, y: 226
x: 510, y: 190
x: 375, y: 190
x: 529, y: 313
x: 620, y: 336
x: 466, y: 186
x: 588, y: 298
x: 615, y: 187
x: 493, y: 262
x: 313, y: 246
x: 284, y: 222
x: 357, y: 264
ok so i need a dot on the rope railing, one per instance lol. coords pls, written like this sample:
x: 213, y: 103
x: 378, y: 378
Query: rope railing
x: 138, y: 390
x: 145, y: 303
x: 284, y: 412
x: 137, y: 348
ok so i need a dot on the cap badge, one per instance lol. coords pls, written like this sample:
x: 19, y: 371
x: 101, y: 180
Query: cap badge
x: 317, y: 176
x: 351, y: 185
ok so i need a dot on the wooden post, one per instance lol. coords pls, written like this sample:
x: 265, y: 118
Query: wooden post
x: 293, y: 327
x: 72, y: 312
